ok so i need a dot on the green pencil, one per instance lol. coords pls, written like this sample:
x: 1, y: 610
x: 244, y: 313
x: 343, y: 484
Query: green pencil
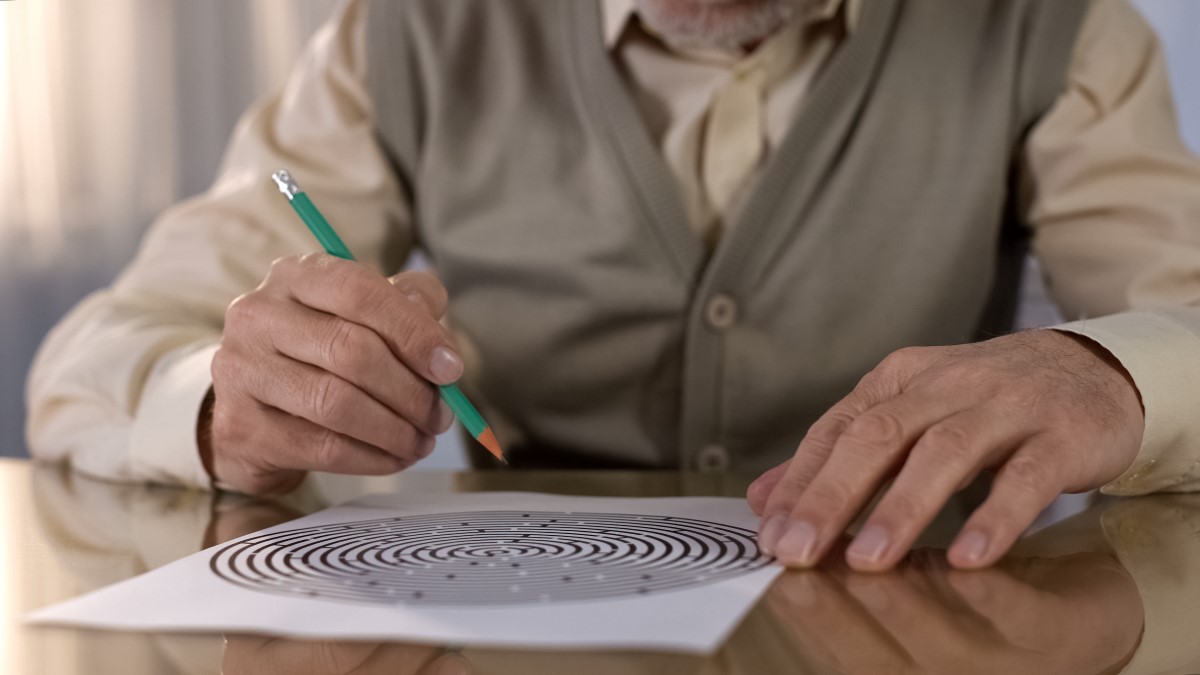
x: 323, y: 231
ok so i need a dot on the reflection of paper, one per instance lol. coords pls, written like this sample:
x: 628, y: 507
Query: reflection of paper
x: 501, y: 569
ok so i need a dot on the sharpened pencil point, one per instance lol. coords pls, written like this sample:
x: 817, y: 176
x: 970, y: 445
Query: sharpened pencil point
x: 488, y: 440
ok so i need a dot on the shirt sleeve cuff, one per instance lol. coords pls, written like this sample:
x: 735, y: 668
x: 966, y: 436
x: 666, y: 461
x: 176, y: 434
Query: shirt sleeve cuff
x: 162, y: 445
x: 1162, y: 356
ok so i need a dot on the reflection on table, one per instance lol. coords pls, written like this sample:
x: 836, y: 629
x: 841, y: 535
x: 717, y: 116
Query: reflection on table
x: 1115, y: 588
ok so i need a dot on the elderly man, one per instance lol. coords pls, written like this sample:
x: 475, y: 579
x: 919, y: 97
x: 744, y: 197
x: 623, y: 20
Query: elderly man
x: 680, y: 233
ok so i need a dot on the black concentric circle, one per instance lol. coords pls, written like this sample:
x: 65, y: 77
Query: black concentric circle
x: 491, y: 558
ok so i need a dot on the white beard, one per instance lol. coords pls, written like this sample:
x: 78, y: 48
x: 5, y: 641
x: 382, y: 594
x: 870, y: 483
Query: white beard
x: 725, y: 24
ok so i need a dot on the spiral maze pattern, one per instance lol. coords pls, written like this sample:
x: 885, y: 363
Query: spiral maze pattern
x: 491, y: 558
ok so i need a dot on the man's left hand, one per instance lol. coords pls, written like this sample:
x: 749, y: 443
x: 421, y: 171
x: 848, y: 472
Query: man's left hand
x: 1049, y: 412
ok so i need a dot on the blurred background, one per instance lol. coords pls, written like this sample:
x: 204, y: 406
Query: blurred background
x: 111, y: 111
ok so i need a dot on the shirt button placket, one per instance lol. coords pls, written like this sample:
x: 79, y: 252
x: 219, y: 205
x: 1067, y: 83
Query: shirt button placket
x: 720, y: 313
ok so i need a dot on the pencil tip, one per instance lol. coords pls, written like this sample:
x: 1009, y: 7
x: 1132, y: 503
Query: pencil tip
x: 488, y: 440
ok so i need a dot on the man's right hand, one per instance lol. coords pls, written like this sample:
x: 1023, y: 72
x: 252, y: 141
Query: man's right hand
x: 327, y: 366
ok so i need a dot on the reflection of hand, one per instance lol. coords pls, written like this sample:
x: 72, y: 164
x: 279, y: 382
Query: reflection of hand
x: 1076, y: 614
x: 235, y: 516
x: 245, y: 655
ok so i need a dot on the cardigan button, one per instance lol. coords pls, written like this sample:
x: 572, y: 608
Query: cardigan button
x: 721, y: 312
x: 712, y: 458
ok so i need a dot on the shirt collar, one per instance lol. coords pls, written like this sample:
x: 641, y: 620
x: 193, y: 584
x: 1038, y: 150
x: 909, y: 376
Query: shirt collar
x: 615, y: 15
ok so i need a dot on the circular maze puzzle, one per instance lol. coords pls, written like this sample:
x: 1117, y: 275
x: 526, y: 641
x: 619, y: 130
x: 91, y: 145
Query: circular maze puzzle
x: 491, y: 558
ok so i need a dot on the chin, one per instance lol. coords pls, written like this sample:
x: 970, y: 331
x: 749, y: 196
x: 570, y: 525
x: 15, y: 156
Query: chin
x: 720, y: 23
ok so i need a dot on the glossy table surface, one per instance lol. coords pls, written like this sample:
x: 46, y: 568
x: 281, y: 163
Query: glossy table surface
x: 1114, y: 587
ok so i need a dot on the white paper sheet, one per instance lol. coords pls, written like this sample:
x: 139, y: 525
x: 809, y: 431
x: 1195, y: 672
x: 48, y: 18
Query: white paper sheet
x: 488, y: 569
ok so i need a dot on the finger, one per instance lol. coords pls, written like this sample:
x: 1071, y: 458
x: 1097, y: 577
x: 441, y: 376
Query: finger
x: 266, y: 451
x: 877, y: 386
x: 359, y: 294
x: 1015, y: 609
x: 332, y: 403
x: 1023, y: 487
x: 924, y: 627
x: 833, y: 626
x: 868, y: 451
x: 947, y: 455
x: 358, y: 355
x: 424, y: 288
x: 762, y: 486
x: 295, y: 443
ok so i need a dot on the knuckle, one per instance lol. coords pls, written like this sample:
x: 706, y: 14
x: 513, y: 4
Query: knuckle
x: 284, y: 265
x: 827, y: 497
x: 408, y: 439
x: 1028, y: 474
x: 229, y: 369
x: 417, y: 334
x: 877, y: 385
x: 948, y: 443
x: 310, y: 260
x: 903, y: 509
x: 221, y: 367
x: 825, y: 431
x: 970, y: 375
x: 226, y: 424
x: 425, y: 400
x: 348, y: 348
x: 326, y: 447
x: 1019, y: 398
x: 244, y: 310
x: 901, y: 360
x: 356, y: 287
x: 876, y: 428
x: 326, y: 398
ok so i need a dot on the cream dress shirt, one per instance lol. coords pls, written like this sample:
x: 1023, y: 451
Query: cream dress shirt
x: 1112, y: 194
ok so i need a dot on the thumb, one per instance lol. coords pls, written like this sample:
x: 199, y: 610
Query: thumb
x: 423, y: 288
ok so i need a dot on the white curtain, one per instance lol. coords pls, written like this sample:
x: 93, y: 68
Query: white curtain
x: 110, y: 111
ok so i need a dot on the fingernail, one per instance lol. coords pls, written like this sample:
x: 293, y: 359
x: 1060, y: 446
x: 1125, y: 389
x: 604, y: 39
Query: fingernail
x: 445, y: 418
x: 870, y: 545
x: 798, y: 544
x: 971, y: 546
x: 452, y: 664
x: 445, y: 366
x: 768, y: 534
